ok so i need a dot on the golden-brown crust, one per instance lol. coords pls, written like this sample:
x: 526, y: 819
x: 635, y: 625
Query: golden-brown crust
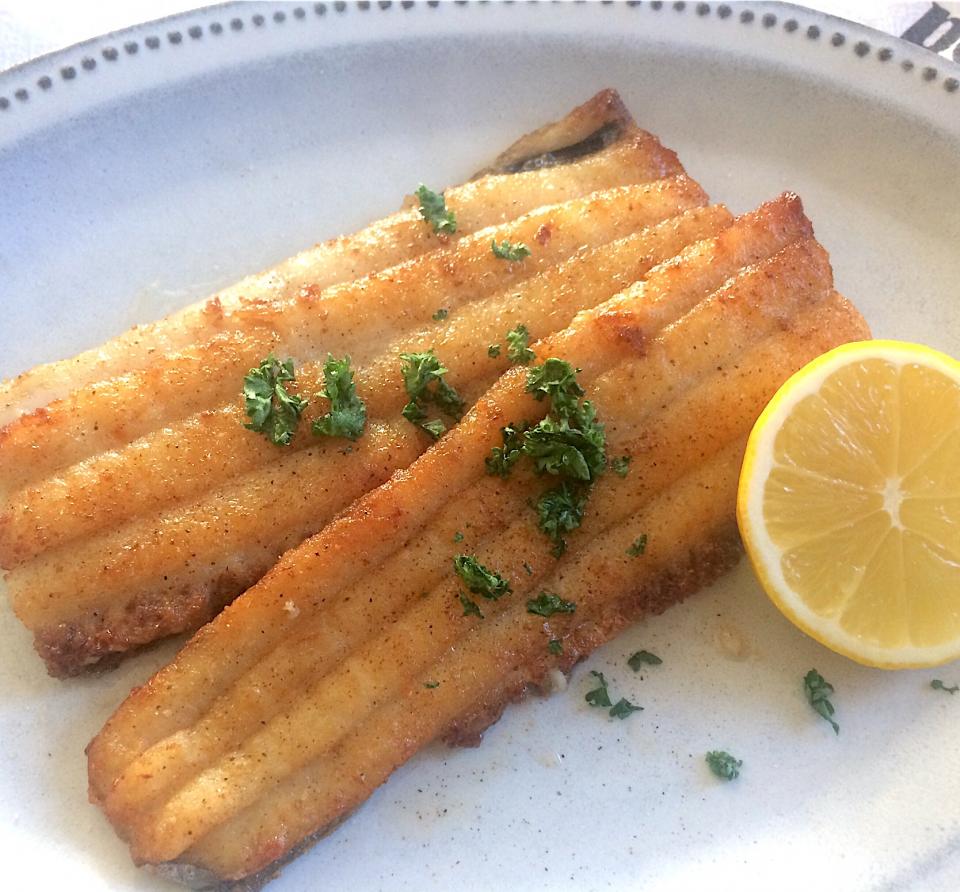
x: 703, y: 565
x: 165, y: 603
x: 671, y: 297
x: 145, y: 541
x: 501, y: 656
x: 393, y: 240
x: 228, y: 765
x: 361, y: 318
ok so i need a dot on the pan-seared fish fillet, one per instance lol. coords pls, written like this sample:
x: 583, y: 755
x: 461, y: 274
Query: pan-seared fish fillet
x: 135, y: 507
x: 360, y: 318
x: 154, y: 537
x: 183, y: 459
x: 354, y: 651
x: 596, y: 146
x: 169, y: 567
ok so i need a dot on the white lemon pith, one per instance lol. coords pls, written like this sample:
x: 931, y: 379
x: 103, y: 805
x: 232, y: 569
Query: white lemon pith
x: 849, y: 502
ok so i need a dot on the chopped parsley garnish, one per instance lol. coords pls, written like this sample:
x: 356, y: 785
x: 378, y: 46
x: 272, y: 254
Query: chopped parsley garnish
x: 423, y: 378
x: 441, y: 314
x: 493, y: 351
x: 555, y: 646
x: 273, y: 411
x: 431, y: 684
x: 560, y: 511
x: 569, y: 446
x: 818, y: 691
x: 723, y: 765
x: 433, y: 209
x: 569, y: 443
x: 643, y: 658
x: 348, y: 414
x: 557, y: 379
x: 507, y: 250
x: 622, y: 708
x: 528, y: 568
x: 503, y: 458
x: 638, y: 546
x: 458, y: 536
x: 478, y: 579
x: 470, y: 607
x: 938, y: 685
x: 518, y: 350
x: 620, y: 465
x: 547, y: 604
x: 599, y: 696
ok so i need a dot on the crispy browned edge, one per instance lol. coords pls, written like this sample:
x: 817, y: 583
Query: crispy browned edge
x: 716, y: 555
x: 77, y: 647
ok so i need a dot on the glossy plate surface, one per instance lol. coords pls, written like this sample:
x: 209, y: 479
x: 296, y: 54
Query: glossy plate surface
x: 147, y: 168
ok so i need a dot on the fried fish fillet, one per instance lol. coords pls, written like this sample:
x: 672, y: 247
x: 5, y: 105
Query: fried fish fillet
x: 136, y: 507
x: 360, y: 318
x: 354, y: 652
x: 153, y: 537
x: 595, y: 147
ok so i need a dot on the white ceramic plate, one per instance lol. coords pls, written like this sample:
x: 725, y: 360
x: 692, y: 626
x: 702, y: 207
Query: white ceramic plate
x: 149, y: 167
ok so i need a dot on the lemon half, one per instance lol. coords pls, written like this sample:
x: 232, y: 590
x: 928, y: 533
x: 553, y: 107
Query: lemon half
x: 849, y: 502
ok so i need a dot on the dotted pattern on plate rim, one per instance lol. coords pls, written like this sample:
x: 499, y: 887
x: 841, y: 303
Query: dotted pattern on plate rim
x: 768, y: 21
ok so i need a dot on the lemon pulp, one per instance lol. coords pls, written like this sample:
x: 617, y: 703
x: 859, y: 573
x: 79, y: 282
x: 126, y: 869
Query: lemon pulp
x: 849, y: 502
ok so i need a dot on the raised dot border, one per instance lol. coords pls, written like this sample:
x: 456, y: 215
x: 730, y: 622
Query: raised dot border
x: 238, y: 24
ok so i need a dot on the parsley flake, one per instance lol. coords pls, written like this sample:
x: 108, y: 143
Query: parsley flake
x: 569, y: 446
x: 441, y: 314
x: 599, y: 696
x: 511, y: 251
x: 547, y: 604
x: 503, y: 458
x: 433, y: 209
x: 423, y: 378
x: 555, y: 646
x: 620, y: 465
x: 493, y: 351
x: 938, y: 685
x: 569, y: 443
x: 643, y: 658
x: 518, y: 350
x: 528, y: 568
x: 818, y: 691
x: 560, y: 510
x: 638, y: 547
x: 723, y: 765
x: 458, y: 536
x: 478, y: 579
x: 470, y: 607
x: 348, y: 413
x: 271, y: 408
x: 557, y: 379
x: 431, y: 684
x: 622, y: 708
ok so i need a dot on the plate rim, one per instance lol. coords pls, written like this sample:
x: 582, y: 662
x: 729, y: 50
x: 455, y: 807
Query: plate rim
x: 189, y: 17
x: 66, y: 65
